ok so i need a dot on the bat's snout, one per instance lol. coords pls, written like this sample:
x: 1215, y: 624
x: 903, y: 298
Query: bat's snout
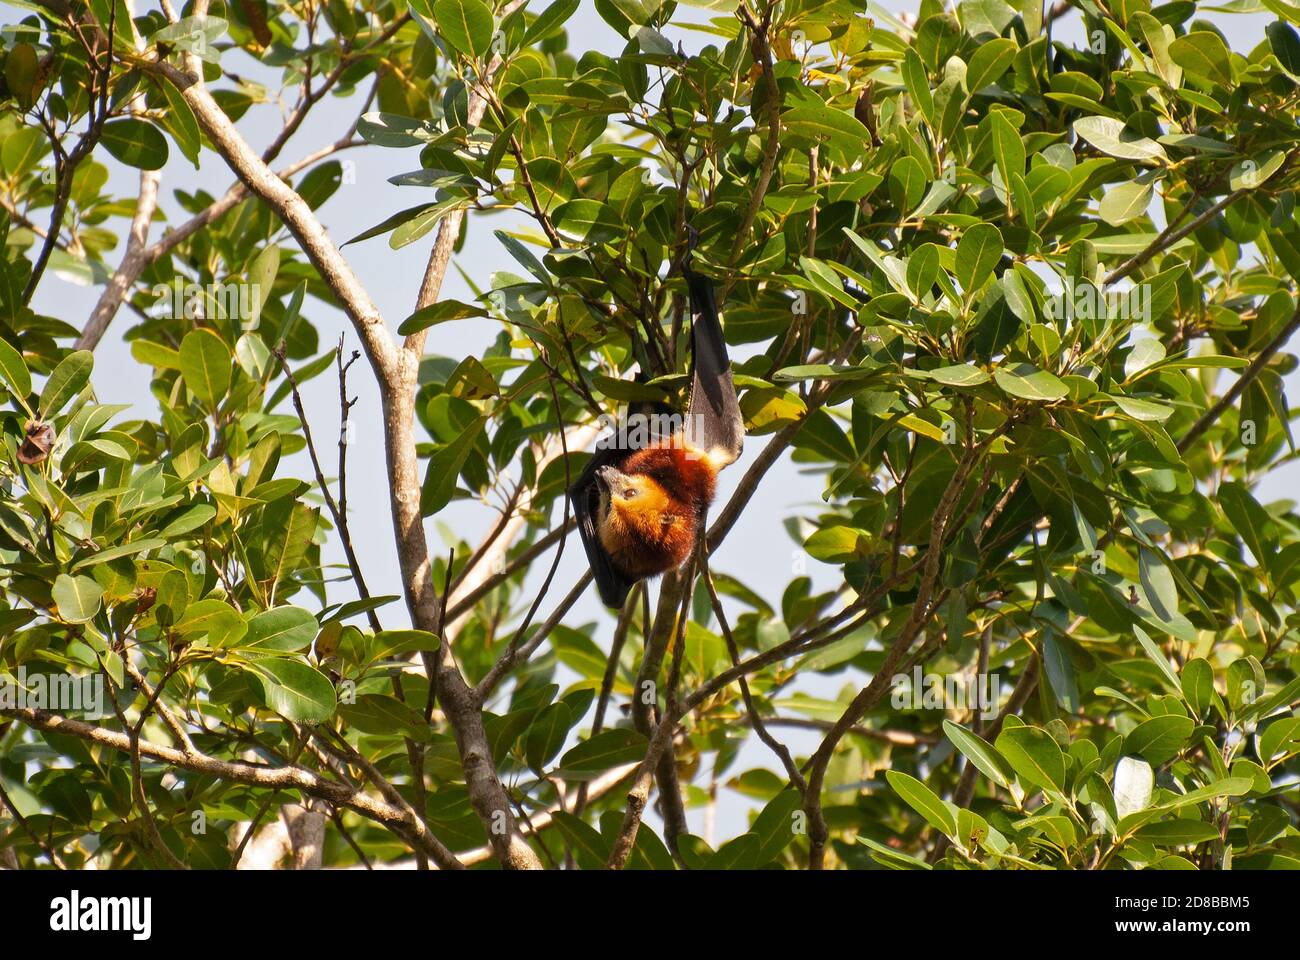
x: 608, y: 476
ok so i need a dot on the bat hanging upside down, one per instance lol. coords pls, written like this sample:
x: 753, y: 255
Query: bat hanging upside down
x: 641, y: 506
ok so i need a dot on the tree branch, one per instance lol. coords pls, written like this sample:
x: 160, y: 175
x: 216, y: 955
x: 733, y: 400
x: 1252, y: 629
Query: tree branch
x: 1211, y: 416
x: 285, y: 777
x: 133, y: 263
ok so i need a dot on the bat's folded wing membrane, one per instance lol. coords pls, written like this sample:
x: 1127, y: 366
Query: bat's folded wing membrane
x: 612, y: 585
x: 714, y: 423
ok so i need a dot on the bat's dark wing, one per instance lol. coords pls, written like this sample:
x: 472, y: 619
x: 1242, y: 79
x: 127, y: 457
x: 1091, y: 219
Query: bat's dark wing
x: 714, y: 423
x: 612, y: 585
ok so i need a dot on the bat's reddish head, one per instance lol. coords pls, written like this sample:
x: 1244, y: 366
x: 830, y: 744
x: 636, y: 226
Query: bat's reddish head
x: 652, y: 505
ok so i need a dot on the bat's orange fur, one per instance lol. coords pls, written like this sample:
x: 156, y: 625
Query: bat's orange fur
x: 651, y: 507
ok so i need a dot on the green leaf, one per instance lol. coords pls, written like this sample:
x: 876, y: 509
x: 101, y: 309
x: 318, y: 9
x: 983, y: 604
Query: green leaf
x: 213, y: 618
x: 623, y: 15
x: 918, y: 85
x: 21, y: 68
x: 1109, y: 136
x: 739, y: 853
x: 1125, y: 202
x: 549, y: 21
x: 68, y: 797
x: 205, y: 366
x: 924, y: 801
x: 611, y: 748
x: 1176, y: 833
x: 382, y: 715
x: 1279, y: 738
x: 588, y: 220
x: 1145, y: 410
x: 817, y: 123
x: 975, y: 749
x: 1251, y: 521
x: 1197, y: 682
x: 392, y: 643
x: 196, y: 34
x: 14, y: 371
x: 1060, y: 671
x: 589, y: 847
x: 190, y: 520
x: 261, y: 274
x: 22, y: 149
x: 288, y: 527
x: 294, y: 690
x: 990, y: 60
x: 1034, y: 756
x: 1158, y: 36
x: 1158, y: 584
x: 626, y: 391
x: 182, y: 123
x: 389, y: 223
x: 978, y: 252
x: 1157, y: 657
x: 282, y: 630
x: 424, y: 221
x: 445, y: 466
x: 1230, y: 787
x: 1008, y: 149
x: 121, y: 550
x: 960, y: 375
x: 837, y: 544
x: 578, y: 652
x: 439, y: 312
x: 1018, y: 300
x: 67, y: 380
x: 1285, y: 44
x: 1160, y: 738
x: 393, y: 130
x: 525, y: 256
x: 465, y: 24
x: 774, y: 826
x: 1027, y: 382
x: 135, y: 142
x: 1204, y: 54
x: 1250, y: 172
x: 889, y: 857
x: 78, y: 598
x: 252, y: 355
x: 546, y: 735
x: 923, y: 269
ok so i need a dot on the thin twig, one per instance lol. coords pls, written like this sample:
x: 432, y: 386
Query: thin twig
x: 49, y: 851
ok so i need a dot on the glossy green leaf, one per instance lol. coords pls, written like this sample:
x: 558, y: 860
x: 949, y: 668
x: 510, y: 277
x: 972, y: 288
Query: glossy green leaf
x: 205, y: 366
x: 1034, y: 756
x: 465, y: 24
x: 135, y: 142
x: 68, y: 379
x: 78, y: 599
x: 294, y: 690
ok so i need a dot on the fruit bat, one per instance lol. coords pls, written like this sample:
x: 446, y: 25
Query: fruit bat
x: 640, y: 503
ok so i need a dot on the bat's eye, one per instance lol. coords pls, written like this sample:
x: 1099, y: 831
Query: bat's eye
x: 629, y: 493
